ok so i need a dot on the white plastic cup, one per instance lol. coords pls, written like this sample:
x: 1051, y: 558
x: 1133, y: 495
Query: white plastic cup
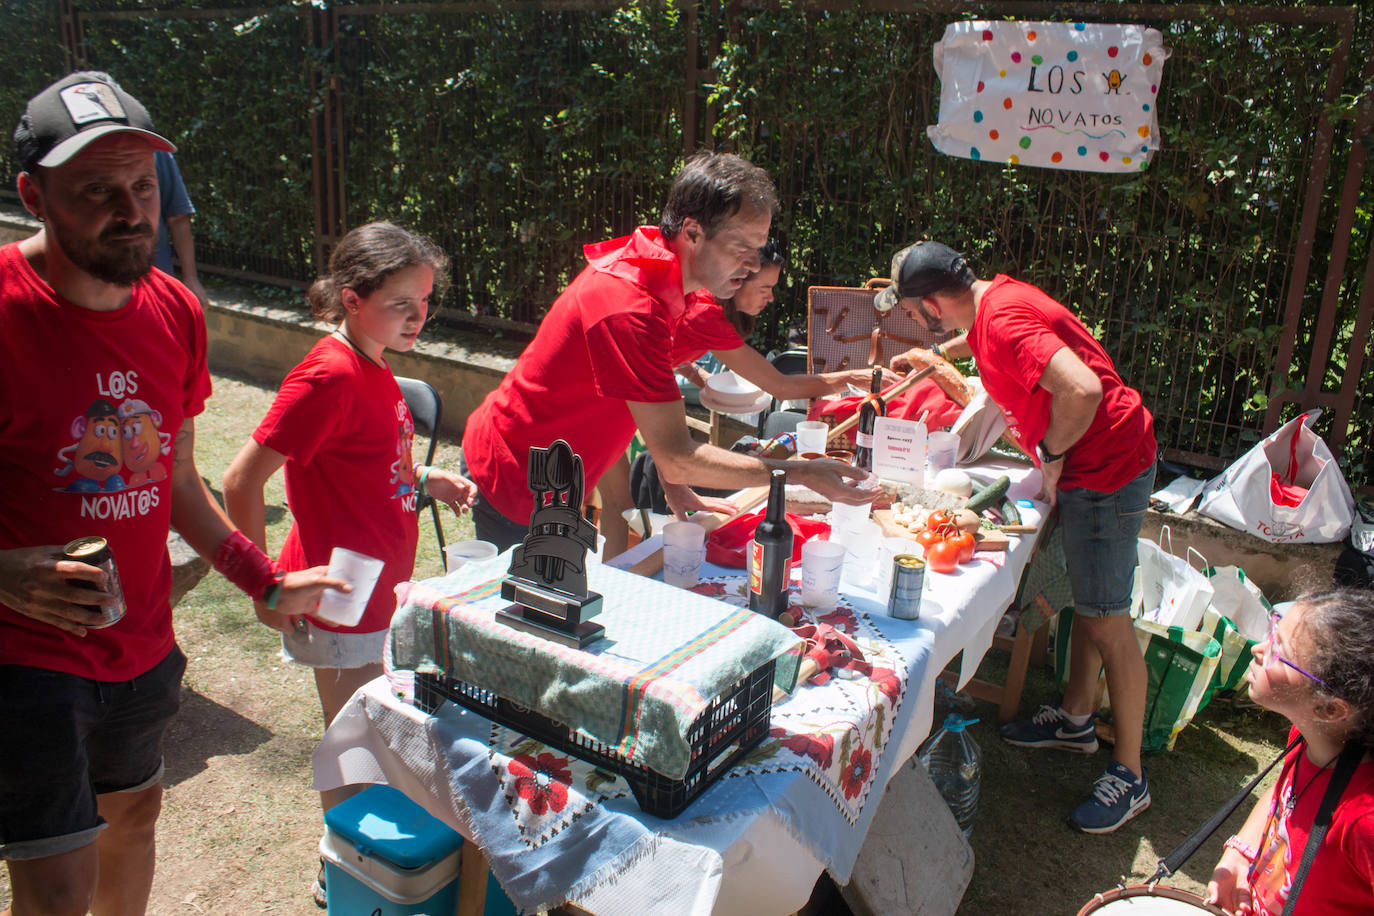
x: 822, y: 562
x: 861, y: 549
x: 942, y: 451
x: 345, y: 609
x: 844, y: 516
x: 684, y: 546
x: 461, y: 552
x: 811, y: 437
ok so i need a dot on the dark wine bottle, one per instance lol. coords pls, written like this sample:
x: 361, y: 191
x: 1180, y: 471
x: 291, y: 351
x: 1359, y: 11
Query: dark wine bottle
x: 770, y: 552
x: 869, y: 411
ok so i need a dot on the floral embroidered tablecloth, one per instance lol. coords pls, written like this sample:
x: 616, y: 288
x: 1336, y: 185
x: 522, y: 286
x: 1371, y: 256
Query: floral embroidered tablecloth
x: 555, y: 828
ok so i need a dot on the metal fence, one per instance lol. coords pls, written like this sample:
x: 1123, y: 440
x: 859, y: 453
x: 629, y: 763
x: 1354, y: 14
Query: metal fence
x: 1232, y: 281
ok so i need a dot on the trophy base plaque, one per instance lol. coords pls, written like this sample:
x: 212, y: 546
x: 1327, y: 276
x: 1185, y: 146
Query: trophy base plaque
x: 551, y: 614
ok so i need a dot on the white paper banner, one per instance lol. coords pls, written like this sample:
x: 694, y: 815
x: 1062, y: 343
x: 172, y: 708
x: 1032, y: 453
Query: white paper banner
x: 1061, y: 95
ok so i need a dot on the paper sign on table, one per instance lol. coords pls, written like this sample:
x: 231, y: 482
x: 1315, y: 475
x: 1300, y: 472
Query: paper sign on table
x: 899, y: 450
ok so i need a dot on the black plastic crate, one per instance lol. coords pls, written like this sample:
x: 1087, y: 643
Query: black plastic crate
x: 727, y: 729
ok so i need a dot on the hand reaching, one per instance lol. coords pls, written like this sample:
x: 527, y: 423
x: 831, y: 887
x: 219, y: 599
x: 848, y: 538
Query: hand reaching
x: 453, y: 490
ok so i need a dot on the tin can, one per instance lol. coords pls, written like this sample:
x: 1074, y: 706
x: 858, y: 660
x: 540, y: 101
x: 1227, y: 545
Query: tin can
x: 908, y: 579
x: 94, y: 551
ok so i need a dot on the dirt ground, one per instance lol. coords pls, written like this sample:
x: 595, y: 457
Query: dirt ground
x: 240, y: 824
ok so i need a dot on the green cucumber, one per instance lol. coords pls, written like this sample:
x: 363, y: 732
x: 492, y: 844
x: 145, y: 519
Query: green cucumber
x: 991, y: 495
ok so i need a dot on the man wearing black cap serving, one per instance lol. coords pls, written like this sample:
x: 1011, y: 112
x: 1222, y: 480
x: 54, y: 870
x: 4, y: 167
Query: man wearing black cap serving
x: 85, y: 692
x: 1094, y: 442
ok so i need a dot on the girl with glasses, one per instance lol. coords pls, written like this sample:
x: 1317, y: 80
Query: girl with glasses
x: 1316, y: 668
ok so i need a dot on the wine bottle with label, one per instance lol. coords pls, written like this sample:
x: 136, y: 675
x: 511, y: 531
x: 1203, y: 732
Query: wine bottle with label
x: 770, y: 552
x: 869, y: 411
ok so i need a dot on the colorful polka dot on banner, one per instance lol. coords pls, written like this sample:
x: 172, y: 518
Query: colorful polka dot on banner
x: 1143, y: 130
x: 1073, y: 56
x: 974, y: 154
x: 1126, y: 160
x: 1111, y: 51
x: 1013, y: 160
x: 1002, y: 73
x: 1037, y: 60
x: 977, y: 117
x: 987, y: 34
x: 1024, y: 142
x: 1145, y: 149
x: 1079, y: 26
x: 980, y: 86
x: 993, y: 135
x: 1056, y: 157
x: 1007, y: 103
x: 1082, y: 151
x: 1145, y: 107
x: 1030, y: 36
x: 1103, y: 156
x: 1146, y: 59
x: 1016, y: 57
x: 1154, y: 90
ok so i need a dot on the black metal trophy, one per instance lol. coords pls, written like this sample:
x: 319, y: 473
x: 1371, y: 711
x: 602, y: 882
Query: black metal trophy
x: 547, y: 578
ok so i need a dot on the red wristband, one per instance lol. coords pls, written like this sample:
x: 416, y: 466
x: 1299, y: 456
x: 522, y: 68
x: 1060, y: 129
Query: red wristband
x: 241, y: 562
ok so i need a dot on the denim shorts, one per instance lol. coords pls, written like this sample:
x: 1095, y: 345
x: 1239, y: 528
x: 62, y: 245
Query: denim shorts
x: 64, y: 739
x: 1100, y: 531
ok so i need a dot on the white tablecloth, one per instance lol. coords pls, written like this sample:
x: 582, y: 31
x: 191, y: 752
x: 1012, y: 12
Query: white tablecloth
x: 715, y: 858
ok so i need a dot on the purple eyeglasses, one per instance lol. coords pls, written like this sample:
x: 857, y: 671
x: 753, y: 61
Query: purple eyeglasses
x: 1276, y: 654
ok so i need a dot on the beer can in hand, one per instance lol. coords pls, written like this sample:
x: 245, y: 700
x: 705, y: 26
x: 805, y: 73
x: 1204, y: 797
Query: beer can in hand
x: 908, y: 579
x: 94, y: 551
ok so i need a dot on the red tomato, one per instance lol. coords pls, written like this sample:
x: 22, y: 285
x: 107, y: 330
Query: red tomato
x: 939, y: 518
x: 925, y: 537
x: 943, y: 556
x: 965, y: 542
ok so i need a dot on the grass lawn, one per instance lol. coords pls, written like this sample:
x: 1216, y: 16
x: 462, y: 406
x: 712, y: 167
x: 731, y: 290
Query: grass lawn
x: 240, y: 824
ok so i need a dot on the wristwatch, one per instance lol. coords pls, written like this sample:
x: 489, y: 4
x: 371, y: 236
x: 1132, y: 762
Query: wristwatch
x: 1045, y: 455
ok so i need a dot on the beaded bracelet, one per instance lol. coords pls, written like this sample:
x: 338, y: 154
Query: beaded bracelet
x: 422, y: 472
x: 1248, y: 852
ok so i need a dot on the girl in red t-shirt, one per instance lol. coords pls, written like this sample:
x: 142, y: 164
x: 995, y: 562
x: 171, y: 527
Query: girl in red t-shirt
x: 1316, y: 668
x: 341, y: 428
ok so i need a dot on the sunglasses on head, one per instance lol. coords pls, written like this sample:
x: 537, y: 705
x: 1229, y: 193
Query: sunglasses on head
x: 1275, y: 653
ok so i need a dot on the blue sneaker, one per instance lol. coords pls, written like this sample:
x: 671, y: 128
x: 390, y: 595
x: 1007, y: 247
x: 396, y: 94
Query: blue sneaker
x: 1117, y: 797
x: 1050, y: 728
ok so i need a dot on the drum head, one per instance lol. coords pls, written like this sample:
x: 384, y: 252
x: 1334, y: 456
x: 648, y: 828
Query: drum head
x: 1147, y: 900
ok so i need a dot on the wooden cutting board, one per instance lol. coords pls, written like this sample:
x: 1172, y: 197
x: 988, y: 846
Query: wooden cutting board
x: 987, y: 538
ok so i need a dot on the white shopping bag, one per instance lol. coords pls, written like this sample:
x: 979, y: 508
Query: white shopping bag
x: 1168, y: 590
x: 1237, y: 620
x: 1292, y: 459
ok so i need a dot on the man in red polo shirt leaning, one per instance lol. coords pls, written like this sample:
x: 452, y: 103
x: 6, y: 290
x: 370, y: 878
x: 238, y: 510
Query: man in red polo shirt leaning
x: 601, y: 363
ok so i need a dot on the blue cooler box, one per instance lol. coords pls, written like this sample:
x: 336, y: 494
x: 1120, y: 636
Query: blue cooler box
x: 384, y: 855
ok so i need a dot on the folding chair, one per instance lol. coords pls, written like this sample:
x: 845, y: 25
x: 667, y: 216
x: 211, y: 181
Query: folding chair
x: 426, y: 410
x: 845, y: 331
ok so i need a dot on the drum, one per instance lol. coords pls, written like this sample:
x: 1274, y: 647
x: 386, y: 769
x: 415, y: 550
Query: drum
x: 1147, y: 900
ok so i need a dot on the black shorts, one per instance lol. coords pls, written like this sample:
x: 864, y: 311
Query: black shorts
x: 64, y: 739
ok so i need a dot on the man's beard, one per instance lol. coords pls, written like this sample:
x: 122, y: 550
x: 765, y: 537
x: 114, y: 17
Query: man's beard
x: 120, y: 264
x: 933, y: 322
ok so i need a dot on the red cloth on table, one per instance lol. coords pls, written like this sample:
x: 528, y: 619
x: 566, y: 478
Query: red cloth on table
x: 728, y: 545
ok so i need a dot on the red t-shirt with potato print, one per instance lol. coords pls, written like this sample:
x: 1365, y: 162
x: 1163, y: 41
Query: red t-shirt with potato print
x: 93, y: 402
x: 606, y: 340
x: 1016, y: 332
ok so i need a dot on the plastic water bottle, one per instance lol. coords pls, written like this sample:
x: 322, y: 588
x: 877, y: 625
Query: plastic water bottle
x: 955, y: 765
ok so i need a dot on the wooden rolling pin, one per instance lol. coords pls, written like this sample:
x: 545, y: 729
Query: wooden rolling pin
x: 886, y: 396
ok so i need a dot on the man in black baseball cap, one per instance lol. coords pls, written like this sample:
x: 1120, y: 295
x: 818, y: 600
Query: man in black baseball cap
x: 90, y: 673
x: 1094, y: 442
